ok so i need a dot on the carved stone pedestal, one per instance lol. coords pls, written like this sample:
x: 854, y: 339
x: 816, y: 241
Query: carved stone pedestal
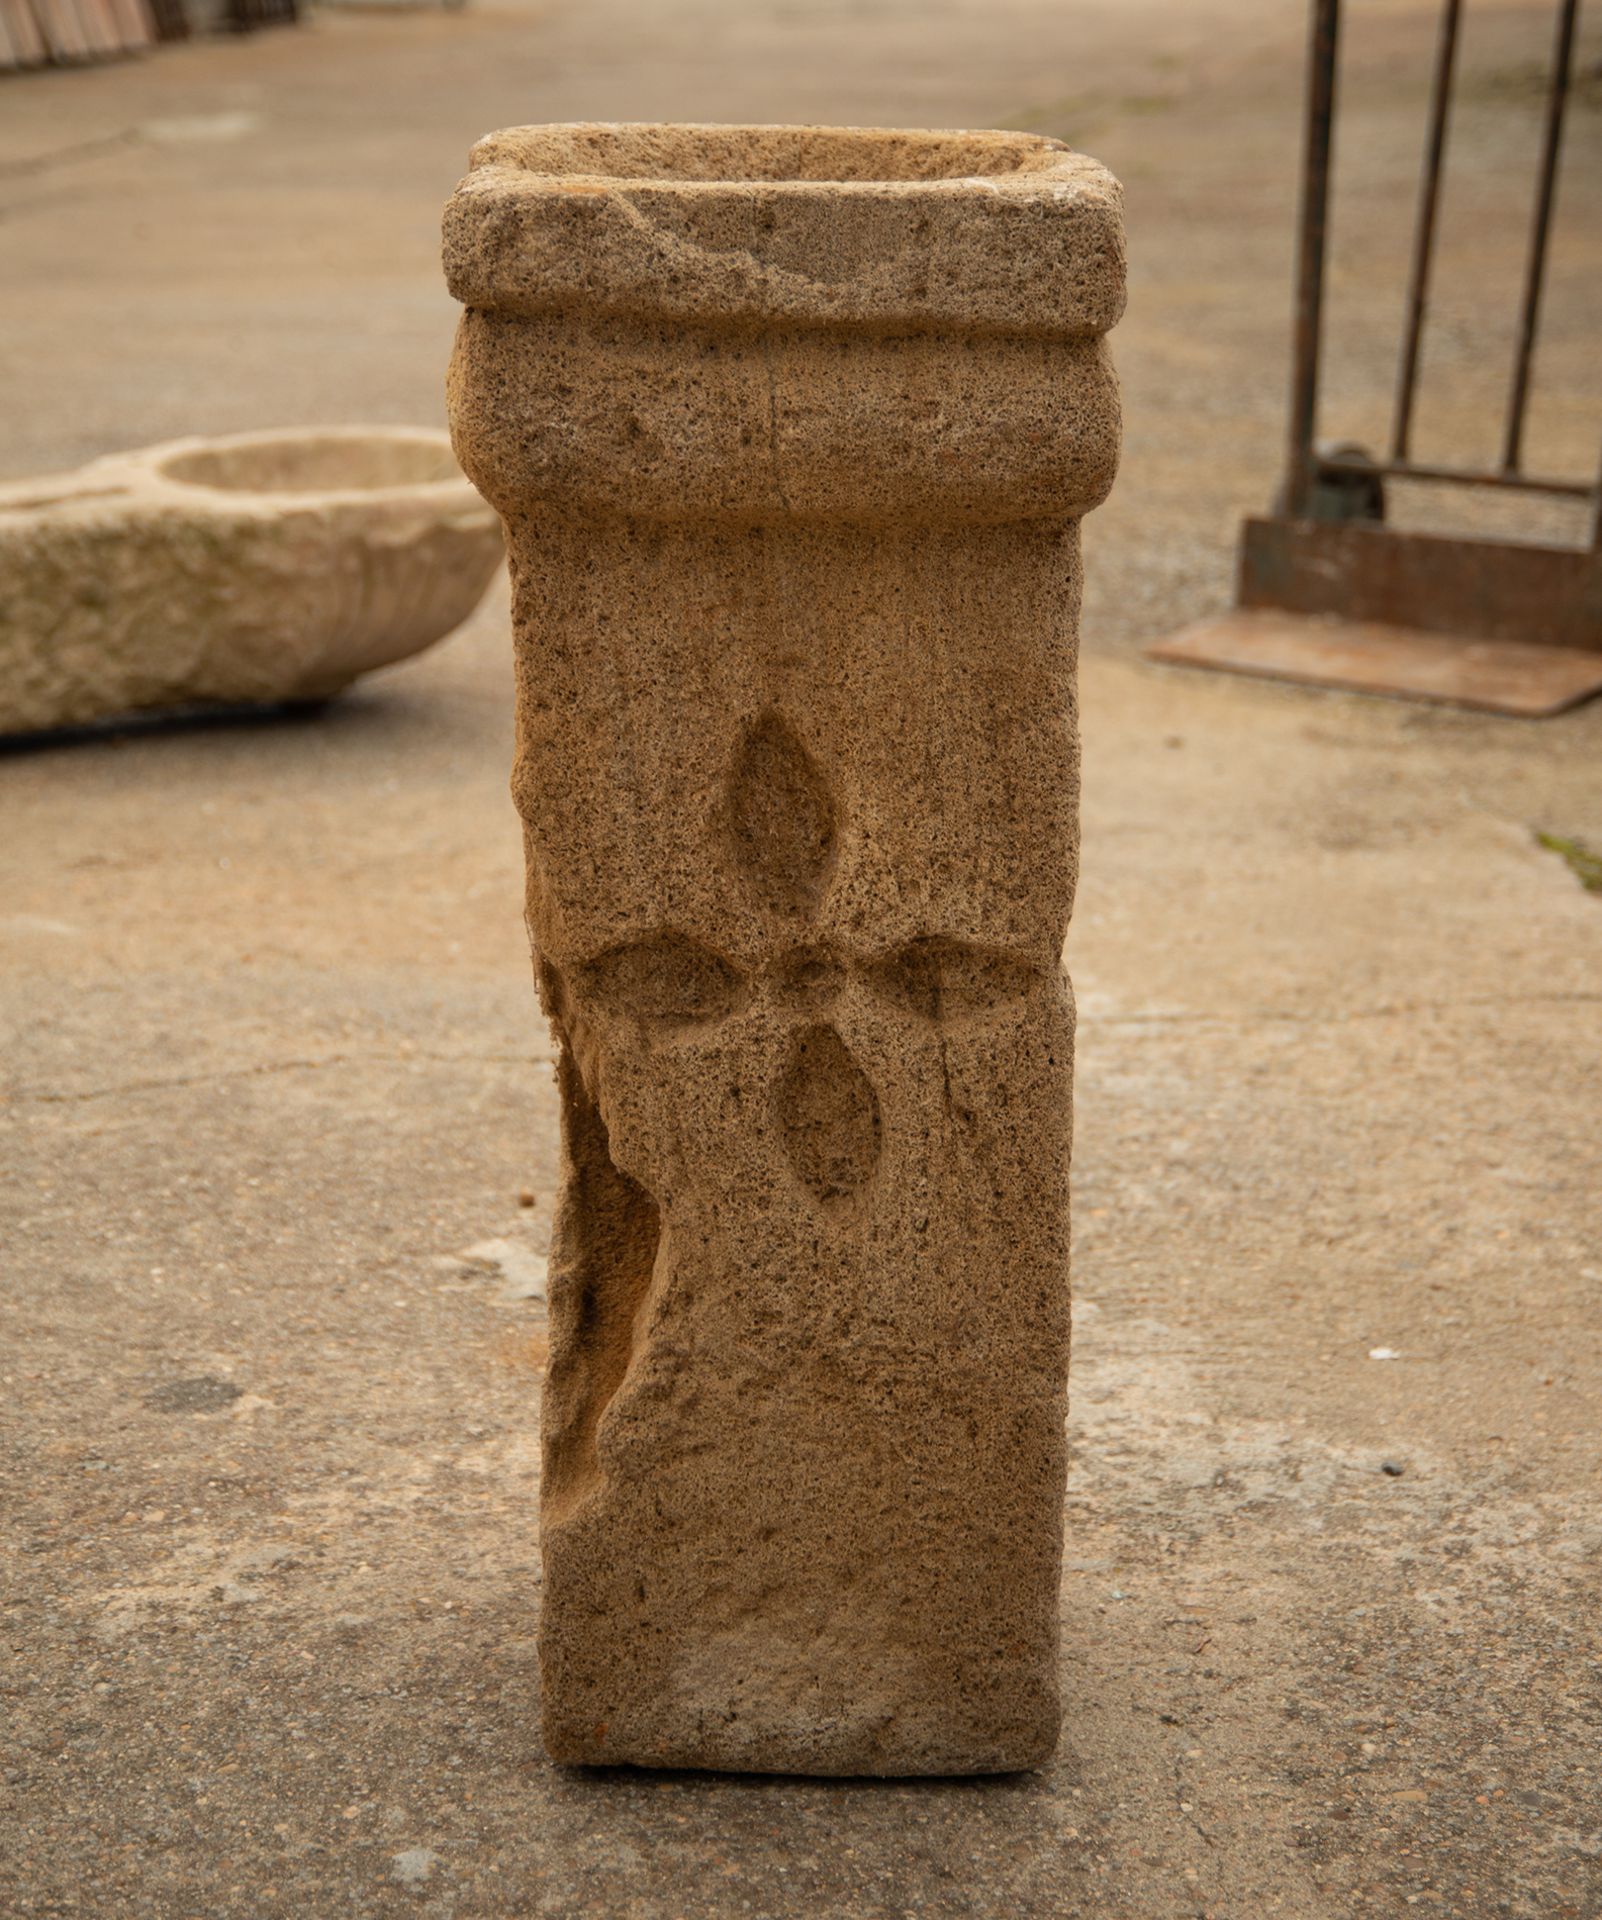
x: 791, y: 430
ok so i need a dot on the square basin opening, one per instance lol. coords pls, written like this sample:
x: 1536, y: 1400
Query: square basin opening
x: 751, y: 156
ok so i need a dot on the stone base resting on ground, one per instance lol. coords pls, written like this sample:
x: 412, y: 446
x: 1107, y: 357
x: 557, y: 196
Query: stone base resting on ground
x: 259, y: 568
x: 791, y: 430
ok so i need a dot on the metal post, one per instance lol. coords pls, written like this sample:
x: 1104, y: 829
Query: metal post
x: 1596, y: 516
x: 1318, y: 139
x: 1535, y: 273
x: 1424, y: 229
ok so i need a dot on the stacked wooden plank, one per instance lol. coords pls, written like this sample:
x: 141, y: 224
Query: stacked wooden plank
x: 59, y: 33
x: 38, y: 33
x: 21, y: 42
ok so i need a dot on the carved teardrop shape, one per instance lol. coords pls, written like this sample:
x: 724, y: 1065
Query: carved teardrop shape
x: 828, y: 1115
x: 942, y: 980
x: 780, y: 818
x: 668, y: 977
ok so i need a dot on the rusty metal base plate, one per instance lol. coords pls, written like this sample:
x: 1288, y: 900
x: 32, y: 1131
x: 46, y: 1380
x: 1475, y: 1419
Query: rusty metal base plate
x: 1366, y: 657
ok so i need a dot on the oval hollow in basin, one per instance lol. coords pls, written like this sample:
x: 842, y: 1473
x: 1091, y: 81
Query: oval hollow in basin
x: 250, y: 569
x: 314, y: 463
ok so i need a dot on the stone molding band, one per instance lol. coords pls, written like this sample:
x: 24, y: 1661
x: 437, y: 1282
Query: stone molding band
x: 1004, y: 234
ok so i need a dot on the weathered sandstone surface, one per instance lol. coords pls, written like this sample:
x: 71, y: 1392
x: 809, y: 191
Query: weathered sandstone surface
x: 791, y: 430
x: 261, y: 567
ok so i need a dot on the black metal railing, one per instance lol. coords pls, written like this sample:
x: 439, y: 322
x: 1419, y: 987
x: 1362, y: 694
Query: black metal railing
x: 1305, y: 464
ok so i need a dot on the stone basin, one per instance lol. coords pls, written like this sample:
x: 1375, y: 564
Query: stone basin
x: 255, y: 568
x: 795, y: 667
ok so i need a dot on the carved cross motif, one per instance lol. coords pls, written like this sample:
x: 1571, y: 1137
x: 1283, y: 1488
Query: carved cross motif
x: 779, y: 823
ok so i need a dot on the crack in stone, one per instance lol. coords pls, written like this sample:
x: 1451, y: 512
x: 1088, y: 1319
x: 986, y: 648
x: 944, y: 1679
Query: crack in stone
x: 773, y: 425
x: 1331, y: 1016
x: 33, y: 1097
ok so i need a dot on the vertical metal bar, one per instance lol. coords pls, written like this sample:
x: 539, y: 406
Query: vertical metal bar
x: 1310, y: 245
x: 1424, y: 229
x: 1596, y: 515
x: 1535, y: 272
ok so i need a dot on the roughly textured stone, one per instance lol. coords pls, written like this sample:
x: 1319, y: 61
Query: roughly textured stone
x: 263, y: 567
x: 791, y: 430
